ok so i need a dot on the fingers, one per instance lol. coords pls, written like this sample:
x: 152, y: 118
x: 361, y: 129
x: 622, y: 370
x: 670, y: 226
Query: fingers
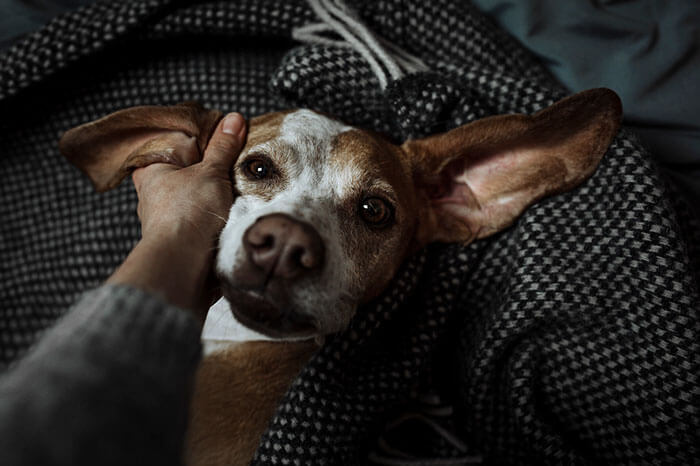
x: 222, y: 150
x: 226, y: 143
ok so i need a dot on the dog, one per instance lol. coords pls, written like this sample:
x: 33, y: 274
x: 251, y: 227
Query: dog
x: 324, y: 215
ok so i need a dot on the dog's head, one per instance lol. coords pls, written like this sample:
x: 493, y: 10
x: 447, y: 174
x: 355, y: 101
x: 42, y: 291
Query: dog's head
x: 325, y: 213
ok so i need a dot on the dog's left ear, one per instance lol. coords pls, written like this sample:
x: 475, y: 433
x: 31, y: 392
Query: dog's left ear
x: 108, y: 149
x: 478, y: 178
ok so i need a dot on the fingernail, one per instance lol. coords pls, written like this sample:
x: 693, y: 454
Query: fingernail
x: 233, y: 123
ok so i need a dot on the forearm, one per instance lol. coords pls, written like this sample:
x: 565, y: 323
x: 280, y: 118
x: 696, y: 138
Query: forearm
x: 109, y: 384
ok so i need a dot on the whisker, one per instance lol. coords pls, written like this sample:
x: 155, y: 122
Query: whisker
x: 215, y: 215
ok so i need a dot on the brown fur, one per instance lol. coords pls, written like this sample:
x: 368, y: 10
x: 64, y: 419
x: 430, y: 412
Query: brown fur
x: 236, y: 393
x: 526, y: 157
x: 262, y: 129
x: 454, y: 187
x: 383, y: 161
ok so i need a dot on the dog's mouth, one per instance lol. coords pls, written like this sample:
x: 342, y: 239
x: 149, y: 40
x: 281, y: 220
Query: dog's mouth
x: 261, y: 315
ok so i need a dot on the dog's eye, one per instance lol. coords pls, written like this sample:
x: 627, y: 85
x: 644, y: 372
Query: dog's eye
x: 376, y: 211
x: 257, y: 168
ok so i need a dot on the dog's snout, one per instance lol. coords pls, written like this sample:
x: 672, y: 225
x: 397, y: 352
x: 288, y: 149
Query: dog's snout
x: 283, y: 247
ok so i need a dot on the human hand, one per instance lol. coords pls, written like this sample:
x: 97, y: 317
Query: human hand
x: 182, y: 212
x: 191, y: 203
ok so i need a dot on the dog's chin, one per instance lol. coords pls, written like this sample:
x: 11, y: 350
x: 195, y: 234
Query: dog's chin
x: 259, y: 314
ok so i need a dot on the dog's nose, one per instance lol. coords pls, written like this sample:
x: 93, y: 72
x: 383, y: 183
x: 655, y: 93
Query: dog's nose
x: 283, y: 246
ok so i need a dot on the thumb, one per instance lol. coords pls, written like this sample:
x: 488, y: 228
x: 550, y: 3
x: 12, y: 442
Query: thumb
x: 226, y: 143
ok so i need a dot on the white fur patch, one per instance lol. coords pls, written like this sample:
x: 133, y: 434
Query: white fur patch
x: 221, y: 328
x: 299, y: 127
x: 313, y: 192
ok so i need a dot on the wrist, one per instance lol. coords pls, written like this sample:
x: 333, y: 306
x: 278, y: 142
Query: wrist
x: 169, y: 265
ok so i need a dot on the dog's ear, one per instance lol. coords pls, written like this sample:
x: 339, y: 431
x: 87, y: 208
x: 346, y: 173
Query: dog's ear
x: 478, y: 178
x: 108, y: 149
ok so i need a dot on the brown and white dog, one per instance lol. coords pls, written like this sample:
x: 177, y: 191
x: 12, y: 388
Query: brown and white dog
x: 324, y: 215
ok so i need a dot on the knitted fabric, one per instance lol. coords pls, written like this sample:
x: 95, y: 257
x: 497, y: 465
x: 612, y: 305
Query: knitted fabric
x: 570, y: 337
x: 65, y: 405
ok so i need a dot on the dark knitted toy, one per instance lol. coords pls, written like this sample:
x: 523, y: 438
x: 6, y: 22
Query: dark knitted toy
x: 572, y: 337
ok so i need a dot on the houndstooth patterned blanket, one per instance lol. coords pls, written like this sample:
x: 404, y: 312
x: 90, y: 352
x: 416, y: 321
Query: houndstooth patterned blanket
x: 572, y: 337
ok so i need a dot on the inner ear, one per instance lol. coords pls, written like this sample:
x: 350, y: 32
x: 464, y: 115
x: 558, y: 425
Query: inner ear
x: 108, y: 149
x: 480, y: 177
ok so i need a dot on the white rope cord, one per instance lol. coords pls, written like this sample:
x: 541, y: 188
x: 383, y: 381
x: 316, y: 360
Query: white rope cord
x: 313, y: 33
x: 410, y: 63
x: 339, y: 28
x: 381, y: 55
x: 366, y: 37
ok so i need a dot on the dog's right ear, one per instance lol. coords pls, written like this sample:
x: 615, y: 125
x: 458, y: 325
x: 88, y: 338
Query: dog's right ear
x: 108, y: 149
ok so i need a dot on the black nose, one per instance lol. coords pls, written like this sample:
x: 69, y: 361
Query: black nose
x: 283, y: 247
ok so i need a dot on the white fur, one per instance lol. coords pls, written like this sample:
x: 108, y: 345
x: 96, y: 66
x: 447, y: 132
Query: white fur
x: 222, y: 329
x: 313, y: 191
x: 303, y: 126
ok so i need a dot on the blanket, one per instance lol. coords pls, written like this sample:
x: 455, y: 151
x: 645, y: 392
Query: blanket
x: 571, y: 337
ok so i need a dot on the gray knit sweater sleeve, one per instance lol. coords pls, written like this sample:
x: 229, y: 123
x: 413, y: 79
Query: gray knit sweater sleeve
x: 109, y: 384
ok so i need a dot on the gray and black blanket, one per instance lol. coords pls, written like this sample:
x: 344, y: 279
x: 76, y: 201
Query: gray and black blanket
x: 572, y: 337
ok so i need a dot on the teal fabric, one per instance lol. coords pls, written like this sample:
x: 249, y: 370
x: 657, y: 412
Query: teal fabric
x: 20, y: 17
x: 648, y: 51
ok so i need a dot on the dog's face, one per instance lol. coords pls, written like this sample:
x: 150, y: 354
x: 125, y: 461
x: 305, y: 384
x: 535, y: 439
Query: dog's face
x: 325, y: 213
